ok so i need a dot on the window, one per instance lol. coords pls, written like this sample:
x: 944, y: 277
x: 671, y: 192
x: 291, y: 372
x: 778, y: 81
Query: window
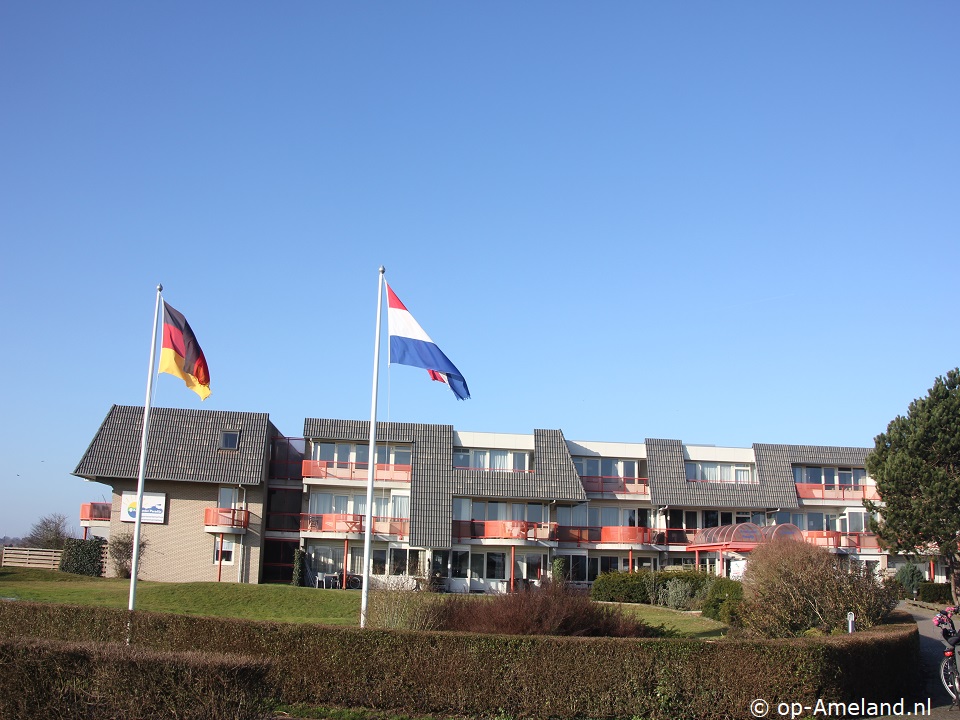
x: 576, y: 567
x: 344, y: 455
x: 223, y: 549
x: 490, y: 459
x: 324, y: 559
x: 534, y: 566
x: 575, y: 516
x: 476, y: 566
x: 461, y: 508
x: 228, y: 497
x: 439, y: 563
x: 398, y: 561
x: 283, y: 509
x: 230, y: 440
x: 717, y: 472
x: 606, y: 467
x: 400, y: 506
x: 459, y: 563
x: 379, y: 559
x: 496, y: 565
x: 831, y: 478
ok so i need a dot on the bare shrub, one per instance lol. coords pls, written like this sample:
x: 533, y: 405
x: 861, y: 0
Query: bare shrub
x: 552, y: 609
x: 120, y: 549
x: 399, y: 608
x: 791, y: 588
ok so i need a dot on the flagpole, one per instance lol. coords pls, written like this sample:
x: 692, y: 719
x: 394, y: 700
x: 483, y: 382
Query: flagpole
x: 372, y: 461
x: 135, y: 564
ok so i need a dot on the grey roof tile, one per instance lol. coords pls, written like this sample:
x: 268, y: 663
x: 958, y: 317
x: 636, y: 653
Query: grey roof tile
x: 183, y: 445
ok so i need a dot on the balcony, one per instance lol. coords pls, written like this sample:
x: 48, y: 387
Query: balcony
x: 602, y: 484
x: 95, y: 513
x: 628, y: 535
x: 347, y: 523
x: 843, y: 493
x: 834, y: 539
x: 503, y: 530
x: 226, y: 520
x: 330, y: 470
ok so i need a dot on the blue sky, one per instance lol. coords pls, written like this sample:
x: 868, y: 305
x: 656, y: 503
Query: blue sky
x: 725, y: 223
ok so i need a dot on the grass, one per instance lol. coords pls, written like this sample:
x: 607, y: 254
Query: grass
x: 684, y: 624
x: 278, y: 603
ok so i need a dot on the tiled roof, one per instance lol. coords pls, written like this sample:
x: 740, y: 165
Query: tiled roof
x: 183, y: 445
x: 669, y: 485
x: 774, y: 462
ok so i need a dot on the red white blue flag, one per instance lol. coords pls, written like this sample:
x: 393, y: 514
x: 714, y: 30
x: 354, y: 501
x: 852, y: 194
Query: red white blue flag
x: 410, y: 345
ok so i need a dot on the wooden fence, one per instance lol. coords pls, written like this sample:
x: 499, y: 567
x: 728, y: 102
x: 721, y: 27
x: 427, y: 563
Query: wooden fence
x: 31, y: 557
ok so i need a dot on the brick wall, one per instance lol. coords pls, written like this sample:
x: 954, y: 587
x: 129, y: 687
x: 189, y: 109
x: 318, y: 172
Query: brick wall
x: 179, y: 550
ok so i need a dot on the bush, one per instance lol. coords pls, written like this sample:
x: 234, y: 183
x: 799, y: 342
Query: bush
x: 465, y: 674
x: 120, y: 549
x: 909, y: 577
x: 636, y: 587
x: 793, y: 587
x: 298, y: 578
x: 83, y: 557
x: 551, y: 609
x: 935, y: 593
x: 723, y: 601
x: 106, y: 681
x: 678, y: 589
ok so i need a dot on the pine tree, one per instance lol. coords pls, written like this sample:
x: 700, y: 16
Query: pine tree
x: 916, y: 464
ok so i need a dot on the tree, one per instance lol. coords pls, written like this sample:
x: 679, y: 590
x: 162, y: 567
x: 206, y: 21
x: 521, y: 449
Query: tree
x: 50, y: 531
x: 916, y: 464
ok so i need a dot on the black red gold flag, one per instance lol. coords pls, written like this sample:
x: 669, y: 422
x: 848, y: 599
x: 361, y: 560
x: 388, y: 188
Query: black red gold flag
x: 181, y: 354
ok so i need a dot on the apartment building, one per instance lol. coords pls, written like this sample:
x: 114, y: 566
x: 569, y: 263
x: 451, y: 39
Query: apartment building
x: 230, y: 499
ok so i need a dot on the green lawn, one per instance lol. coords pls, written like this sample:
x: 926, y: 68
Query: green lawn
x: 280, y: 603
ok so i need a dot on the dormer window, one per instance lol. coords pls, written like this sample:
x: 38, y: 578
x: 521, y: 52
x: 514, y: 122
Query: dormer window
x: 230, y: 440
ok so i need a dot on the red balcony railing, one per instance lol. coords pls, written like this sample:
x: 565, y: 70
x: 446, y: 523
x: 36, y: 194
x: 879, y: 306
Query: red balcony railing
x: 627, y: 534
x: 95, y: 511
x: 835, y: 539
x: 846, y: 493
x: 226, y: 517
x: 350, y: 523
x: 355, y: 471
x: 603, y: 484
x: 503, y: 530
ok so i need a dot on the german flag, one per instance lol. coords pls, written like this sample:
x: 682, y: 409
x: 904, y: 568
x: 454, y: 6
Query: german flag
x: 181, y: 354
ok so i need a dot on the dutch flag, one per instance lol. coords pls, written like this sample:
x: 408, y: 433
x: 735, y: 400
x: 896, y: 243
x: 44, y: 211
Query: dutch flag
x: 410, y: 345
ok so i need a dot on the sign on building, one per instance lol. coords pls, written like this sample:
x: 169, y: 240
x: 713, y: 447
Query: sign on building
x: 154, y: 507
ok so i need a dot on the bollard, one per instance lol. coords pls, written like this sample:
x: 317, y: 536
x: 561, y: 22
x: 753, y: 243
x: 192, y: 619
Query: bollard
x: 850, y: 619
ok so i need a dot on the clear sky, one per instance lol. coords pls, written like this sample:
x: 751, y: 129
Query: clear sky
x: 724, y: 223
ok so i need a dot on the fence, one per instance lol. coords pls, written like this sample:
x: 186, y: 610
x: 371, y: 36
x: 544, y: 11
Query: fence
x: 31, y: 557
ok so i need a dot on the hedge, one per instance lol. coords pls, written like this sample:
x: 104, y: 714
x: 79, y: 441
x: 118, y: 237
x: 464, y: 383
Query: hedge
x: 460, y: 673
x: 83, y: 557
x: 46, y: 679
x: 644, y: 586
x: 936, y: 593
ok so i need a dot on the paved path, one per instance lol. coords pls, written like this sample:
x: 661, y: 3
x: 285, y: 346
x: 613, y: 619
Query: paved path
x: 931, y: 653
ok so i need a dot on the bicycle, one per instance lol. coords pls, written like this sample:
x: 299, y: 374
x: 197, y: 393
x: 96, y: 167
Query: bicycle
x: 949, y: 672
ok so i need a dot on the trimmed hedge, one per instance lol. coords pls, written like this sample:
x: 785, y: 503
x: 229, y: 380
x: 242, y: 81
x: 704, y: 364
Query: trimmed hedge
x: 461, y: 673
x: 936, y: 593
x: 83, y: 557
x: 646, y: 586
x: 45, y: 679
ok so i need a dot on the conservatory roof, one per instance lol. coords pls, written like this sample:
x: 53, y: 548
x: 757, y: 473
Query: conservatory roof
x: 742, y: 536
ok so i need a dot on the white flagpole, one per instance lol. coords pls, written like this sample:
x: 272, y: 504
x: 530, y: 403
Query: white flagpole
x: 372, y: 462
x: 135, y: 564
